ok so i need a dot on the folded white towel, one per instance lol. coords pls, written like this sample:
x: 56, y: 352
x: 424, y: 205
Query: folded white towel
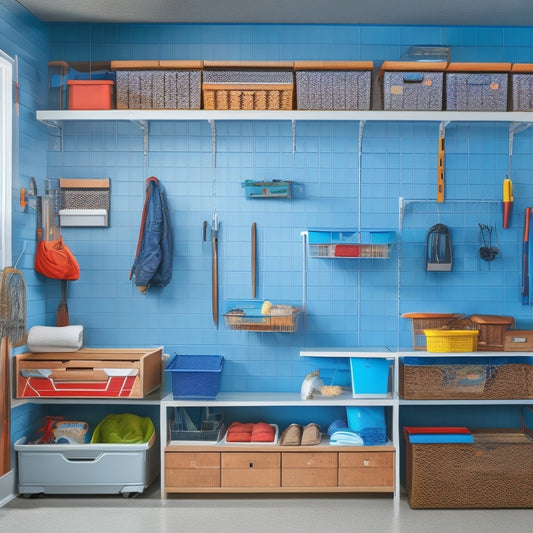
x: 55, y: 339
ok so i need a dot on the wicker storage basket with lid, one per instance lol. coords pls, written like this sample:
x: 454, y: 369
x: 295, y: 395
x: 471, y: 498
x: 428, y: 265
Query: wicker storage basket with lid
x: 492, y: 330
x: 258, y: 85
x: 422, y: 321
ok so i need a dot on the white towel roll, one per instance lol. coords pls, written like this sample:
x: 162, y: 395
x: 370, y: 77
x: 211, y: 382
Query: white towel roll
x: 55, y: 339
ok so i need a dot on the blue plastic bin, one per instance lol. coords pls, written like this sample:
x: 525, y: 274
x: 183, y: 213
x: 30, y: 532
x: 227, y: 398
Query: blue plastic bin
x: 370, y: 375
x: 195, y: 376
x: 360, y: 418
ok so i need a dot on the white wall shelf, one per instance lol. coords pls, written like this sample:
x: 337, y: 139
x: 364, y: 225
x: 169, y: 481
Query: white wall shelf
x: 52, y: 117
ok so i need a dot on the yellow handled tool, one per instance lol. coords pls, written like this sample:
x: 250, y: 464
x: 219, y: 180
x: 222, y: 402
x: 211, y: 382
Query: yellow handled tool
x: 507, y: 201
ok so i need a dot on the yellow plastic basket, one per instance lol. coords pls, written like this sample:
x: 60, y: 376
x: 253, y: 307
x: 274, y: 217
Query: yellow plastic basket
x: 451, y: 340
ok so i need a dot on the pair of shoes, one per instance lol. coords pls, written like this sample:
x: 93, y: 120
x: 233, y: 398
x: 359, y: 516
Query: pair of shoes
x: 297, y: 435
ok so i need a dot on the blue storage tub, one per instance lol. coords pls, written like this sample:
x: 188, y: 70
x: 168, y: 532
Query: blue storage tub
x: 370, y: 375
x: 195, y: 376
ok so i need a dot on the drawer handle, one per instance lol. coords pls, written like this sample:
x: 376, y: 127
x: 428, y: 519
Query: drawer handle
x: 366, y: 463
x: 251, y: 465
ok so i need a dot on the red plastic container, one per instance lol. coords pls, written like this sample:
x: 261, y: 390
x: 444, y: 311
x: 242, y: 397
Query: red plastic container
x: 90, y: 94
x: 347, y: 250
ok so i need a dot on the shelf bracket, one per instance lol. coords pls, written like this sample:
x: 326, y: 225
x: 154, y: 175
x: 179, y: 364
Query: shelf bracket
x: 143, y: 125
x: 359, y: 170
x: 56, y: 125
x: 514, y: 129
x: 361, y: 130
x: 293, y: 136
x: 213, y: 125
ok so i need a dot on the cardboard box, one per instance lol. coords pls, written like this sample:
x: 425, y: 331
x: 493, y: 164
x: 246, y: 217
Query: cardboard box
x: 88, y: 373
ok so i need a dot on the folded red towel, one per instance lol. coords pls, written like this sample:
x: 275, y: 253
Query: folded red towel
x: 263, y: 432
x: 238, y: 432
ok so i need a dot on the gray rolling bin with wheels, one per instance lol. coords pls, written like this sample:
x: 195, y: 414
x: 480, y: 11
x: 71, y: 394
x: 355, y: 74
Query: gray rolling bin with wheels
x: 125, y: 469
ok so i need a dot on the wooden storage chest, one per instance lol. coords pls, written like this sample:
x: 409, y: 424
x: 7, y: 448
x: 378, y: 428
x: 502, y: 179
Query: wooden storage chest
x: 89, y: 373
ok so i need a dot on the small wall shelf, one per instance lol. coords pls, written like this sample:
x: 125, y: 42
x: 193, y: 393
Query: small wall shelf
x: 371, y: 244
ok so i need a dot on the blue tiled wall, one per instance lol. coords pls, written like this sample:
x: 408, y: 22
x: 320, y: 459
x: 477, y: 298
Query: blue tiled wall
x: 25, y: 40
x: 349, y: 302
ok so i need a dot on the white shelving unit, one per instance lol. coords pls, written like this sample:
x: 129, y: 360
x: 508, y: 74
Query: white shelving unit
x: 516, y: 122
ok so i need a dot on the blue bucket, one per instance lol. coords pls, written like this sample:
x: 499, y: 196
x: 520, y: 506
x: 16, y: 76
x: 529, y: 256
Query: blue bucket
x: 370, y: 375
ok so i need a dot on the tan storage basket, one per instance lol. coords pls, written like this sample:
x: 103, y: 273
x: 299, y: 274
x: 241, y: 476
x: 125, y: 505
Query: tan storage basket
x: 248, y: 86
x: 465, y: 378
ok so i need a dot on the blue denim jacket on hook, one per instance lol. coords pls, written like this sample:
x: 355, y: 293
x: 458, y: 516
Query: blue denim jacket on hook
x: 153, y: 261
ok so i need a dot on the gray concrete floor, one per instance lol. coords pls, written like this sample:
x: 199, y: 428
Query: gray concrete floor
x: 147, y: 513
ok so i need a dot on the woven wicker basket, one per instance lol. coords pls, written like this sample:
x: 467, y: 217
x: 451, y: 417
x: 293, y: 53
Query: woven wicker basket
x: 422, y: 321
x: 466, y: 381
x: 493, y: 472
x: 248, y: 86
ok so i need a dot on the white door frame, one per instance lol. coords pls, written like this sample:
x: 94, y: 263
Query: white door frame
x: 6, y: 157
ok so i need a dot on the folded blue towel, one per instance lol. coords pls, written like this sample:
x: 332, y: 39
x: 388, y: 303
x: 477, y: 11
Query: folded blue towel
x: 345, y: 437
x: 373, y: 436
x: 336, y: 425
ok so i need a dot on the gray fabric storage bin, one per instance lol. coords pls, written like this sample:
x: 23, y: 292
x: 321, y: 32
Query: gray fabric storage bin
x: 333, y: 85
x: 158, y: 84
x: 522, y: 87
x: 477, y: 87
x: 412, y: 86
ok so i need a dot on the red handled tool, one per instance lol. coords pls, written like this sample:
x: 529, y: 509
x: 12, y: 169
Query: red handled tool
x: 525, y: 260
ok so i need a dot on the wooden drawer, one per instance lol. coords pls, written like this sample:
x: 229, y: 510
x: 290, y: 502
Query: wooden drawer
x: 367, y: 477
x: 301, y: 469
x: 309, y: 477
x: 250, y: 469
x: 311, y: 459
x: 251, y: 460
x: 366, y: 469
x: 192, y: 469
x: 192, y: 460
x: 192, y: 477
x: 366, y: 459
